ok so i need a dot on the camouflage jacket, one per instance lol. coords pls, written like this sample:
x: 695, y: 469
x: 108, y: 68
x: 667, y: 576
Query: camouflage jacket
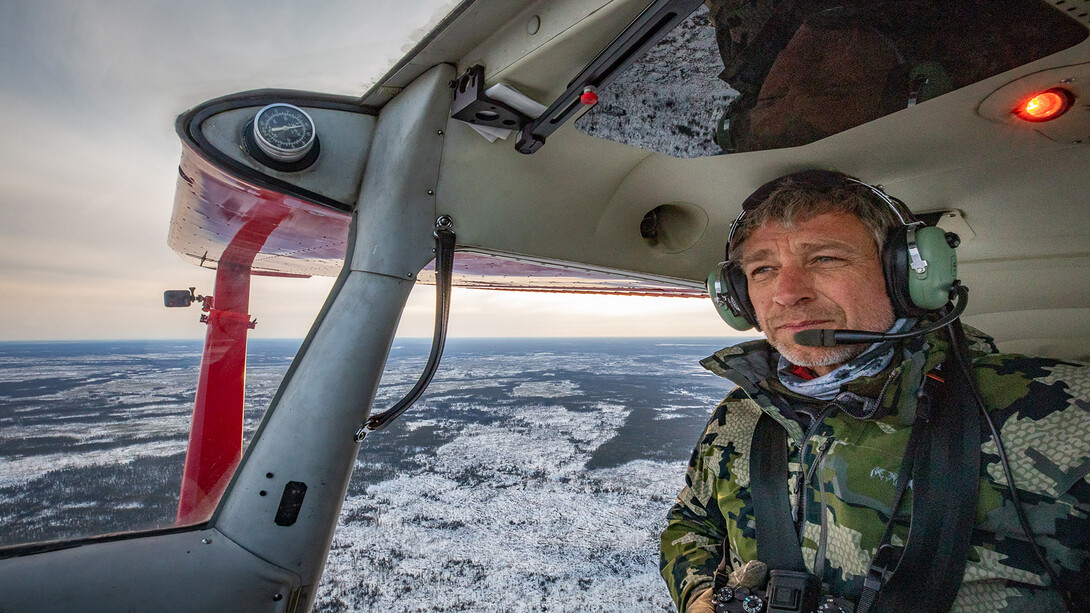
x: 1041, y: 406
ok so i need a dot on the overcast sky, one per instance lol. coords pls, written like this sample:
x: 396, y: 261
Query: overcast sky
x: 88, y: 163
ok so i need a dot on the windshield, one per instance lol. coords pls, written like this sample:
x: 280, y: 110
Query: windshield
x: 767, y: 75
x: 97, y: 378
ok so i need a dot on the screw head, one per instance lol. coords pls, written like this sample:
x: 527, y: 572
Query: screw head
x: 431, y: 192
x: 206, y: 541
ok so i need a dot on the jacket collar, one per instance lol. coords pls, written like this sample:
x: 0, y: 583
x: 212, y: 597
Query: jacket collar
x: 889, y: 396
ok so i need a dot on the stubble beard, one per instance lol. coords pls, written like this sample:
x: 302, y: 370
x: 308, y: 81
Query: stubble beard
x: 880, y: 320
x: 814, y: 356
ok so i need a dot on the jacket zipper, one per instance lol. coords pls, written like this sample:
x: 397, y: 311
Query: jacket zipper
x: 819, y: 557
x: 799, y: 509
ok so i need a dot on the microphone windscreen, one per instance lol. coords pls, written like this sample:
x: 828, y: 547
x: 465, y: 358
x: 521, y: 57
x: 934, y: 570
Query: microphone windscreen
x: 813, y: 338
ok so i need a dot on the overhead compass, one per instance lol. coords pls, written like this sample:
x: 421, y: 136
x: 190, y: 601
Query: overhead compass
x: 284, y: 132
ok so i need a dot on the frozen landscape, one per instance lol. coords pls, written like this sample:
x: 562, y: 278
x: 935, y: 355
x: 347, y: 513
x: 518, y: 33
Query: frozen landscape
x: 534, y: 475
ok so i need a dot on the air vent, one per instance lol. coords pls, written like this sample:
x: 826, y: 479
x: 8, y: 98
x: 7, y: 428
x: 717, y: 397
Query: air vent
x: 673, y: 228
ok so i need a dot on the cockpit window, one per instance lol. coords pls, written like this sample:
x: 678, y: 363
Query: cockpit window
x: 756, y: 75
x: 93, y: 433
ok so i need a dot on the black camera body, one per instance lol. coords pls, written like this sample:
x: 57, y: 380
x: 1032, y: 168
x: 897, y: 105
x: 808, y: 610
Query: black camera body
x: 787, y: 592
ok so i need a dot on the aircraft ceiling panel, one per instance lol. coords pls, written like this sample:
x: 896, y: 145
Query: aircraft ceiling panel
x: 539, y: 204
x: 582, y: 199
x: 570, y: 35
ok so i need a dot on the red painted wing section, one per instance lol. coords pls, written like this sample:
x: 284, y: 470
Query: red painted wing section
x: 211, y: 207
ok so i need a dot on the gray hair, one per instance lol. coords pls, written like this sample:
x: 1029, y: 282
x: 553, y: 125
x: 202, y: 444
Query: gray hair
x: 793, y: 201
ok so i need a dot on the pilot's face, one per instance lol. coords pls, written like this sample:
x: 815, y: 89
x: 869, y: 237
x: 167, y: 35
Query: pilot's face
x: 822, y: 83
x: 825, y: 272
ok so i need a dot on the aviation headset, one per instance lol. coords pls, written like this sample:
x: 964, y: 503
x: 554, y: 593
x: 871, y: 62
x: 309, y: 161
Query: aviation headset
x: 918, y: 261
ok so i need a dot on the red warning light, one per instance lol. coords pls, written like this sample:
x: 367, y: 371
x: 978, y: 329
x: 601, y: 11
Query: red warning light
x: 1045, y: 106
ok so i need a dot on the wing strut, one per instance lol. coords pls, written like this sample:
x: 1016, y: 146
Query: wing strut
x: 215, y: 439
x: 444, y: 273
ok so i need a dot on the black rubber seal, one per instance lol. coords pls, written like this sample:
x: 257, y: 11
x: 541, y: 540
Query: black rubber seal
x: 188, y: 129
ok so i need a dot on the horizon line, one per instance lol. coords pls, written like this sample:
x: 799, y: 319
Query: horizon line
x: 404, y: 338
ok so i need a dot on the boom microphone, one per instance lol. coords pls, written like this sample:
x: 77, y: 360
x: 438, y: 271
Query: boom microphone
x: 829, y: 338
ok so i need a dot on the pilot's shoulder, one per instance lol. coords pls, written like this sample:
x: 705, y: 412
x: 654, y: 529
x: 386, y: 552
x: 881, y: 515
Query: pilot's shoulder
x: 1033, y: 386
x: 1042, y: 409
x: 733, y: 420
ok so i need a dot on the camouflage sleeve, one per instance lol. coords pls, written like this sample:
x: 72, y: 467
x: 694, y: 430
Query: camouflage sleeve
x: 1042, y: 410
x: 691, y: 546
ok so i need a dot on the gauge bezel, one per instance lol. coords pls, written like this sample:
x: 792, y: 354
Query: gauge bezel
x: 257, y: 149
x: 276, y: 152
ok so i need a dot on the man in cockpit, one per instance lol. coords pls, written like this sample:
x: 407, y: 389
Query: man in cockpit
x: 864, y: 474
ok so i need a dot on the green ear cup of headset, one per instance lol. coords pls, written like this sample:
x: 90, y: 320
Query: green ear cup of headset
x: 930, y: 289
x: 718, y: 290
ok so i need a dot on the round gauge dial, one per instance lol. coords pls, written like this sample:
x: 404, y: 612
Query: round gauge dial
x: 284, y: 132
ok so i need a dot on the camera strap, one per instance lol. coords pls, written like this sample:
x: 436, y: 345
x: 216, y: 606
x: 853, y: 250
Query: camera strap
x: 943, y: 459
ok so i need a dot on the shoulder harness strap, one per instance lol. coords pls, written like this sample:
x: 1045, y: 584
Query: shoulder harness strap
x: 945, y: 467
x: 946, y: 483
x: 777, y: 541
